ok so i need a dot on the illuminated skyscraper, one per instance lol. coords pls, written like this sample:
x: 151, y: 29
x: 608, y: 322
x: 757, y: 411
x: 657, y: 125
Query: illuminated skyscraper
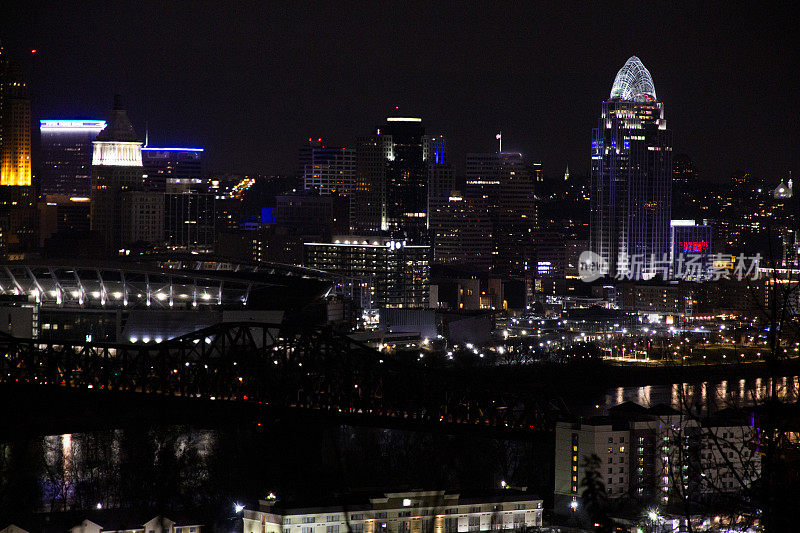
x: 15, y: 125
x: 123, y: 211
x: 67, y: 156
x: 631, y: 177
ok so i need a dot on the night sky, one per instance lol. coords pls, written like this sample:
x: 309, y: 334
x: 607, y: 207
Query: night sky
x: 249, y: 82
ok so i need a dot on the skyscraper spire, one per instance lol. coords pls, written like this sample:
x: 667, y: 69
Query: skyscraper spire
x: 633, y: 82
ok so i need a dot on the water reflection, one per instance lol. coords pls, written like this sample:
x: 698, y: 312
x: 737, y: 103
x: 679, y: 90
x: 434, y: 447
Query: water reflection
x: 708, y: 395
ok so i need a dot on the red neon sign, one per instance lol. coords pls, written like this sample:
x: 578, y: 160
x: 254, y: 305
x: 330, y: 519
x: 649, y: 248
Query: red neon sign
x: 693, y: 247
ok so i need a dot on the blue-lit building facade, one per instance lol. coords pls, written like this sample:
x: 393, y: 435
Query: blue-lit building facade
x: 441, y: 174
x: 67, y: 156
x: 631, y: 177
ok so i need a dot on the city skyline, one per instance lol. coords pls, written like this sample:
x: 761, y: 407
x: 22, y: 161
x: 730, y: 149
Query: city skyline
x: 537, y: 75
x: 398, y: 268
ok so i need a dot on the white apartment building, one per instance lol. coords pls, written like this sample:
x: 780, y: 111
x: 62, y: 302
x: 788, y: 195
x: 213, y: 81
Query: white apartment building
x: 402, y: 512
x: 654, y: 455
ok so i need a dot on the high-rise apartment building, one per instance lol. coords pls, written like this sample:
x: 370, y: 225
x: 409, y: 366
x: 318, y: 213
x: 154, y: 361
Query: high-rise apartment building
x: 377, y: 271
x: 67, y: 156
x: 631, y: 177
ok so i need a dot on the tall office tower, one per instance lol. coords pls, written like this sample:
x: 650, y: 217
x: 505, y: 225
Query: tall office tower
x: 441, y: 174
x: 368, y: 205
x: 631, y: 177
x: 390, y: 192
x: 15, y: 125
x: 67, y: 156
x: 163, y: 165
x: 506, y: 182
x: 121, y: 210
x: 305, y: 153
x: 188, y: 208
x: 190, y: 215
x: 329, y: 169
x: 18, y: 214
x: 460, y: 231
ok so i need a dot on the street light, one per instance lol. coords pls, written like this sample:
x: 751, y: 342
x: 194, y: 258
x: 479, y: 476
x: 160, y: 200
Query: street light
x: 655, y: 519
x: 238, y: 508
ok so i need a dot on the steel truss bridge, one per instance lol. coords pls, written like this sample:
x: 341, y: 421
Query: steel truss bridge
x: 279, y: 366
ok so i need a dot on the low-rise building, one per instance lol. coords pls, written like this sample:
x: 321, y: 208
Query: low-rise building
x: 402, y: 512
